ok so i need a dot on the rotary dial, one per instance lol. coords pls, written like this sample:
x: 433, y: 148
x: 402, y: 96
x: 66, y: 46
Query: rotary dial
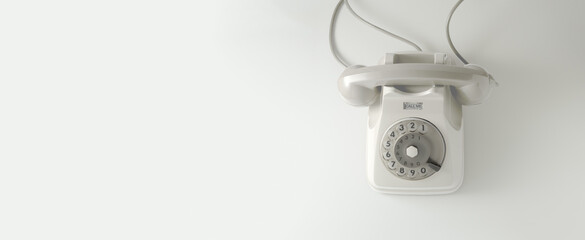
x: 413, y: 149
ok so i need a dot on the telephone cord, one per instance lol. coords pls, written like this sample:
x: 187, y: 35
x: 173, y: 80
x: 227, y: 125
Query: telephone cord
x: 333, y: 23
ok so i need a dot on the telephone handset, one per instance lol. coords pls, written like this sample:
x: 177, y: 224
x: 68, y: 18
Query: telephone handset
x: 358, y: 84
x: 415, y: 125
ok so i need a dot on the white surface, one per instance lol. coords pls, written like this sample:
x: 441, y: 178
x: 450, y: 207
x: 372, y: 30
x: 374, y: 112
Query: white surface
x: 222, y: 120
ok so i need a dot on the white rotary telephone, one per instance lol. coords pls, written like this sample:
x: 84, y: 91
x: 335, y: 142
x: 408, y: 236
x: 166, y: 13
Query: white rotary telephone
x: 415, y: 123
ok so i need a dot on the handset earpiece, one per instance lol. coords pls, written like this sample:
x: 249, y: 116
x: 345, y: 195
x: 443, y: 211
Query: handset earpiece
x: 356, y: 94
x: 476, y: 92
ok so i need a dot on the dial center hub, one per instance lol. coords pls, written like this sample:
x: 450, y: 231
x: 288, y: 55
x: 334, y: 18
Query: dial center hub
x: 412, y: 151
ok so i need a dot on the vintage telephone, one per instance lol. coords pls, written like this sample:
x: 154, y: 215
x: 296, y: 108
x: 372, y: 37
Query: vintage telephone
x: 415, y: 123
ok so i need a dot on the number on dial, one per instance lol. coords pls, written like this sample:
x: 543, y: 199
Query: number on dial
x: 388, y: 144
x: 412, y: 126
x: 401, y: 171
x: 401, y: 128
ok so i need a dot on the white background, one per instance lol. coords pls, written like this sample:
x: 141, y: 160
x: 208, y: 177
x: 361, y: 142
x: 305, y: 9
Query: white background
x: 221, y: 120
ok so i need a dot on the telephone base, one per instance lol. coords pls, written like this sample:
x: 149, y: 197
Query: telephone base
x: 441, y: 170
